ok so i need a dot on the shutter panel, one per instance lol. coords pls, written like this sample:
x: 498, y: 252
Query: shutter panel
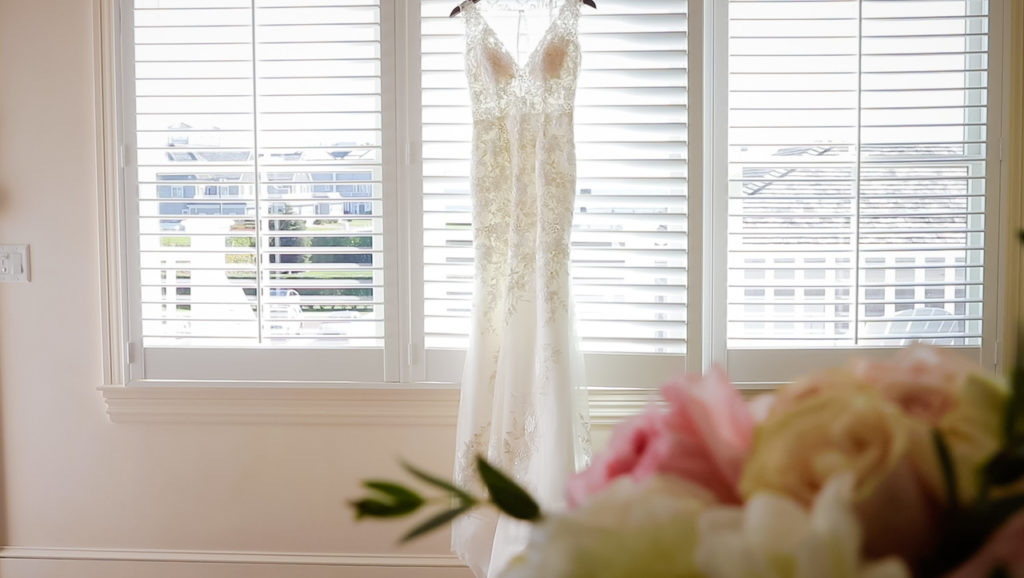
x: 629, y: 233
x: 259, y: 160
x: 857, y: 151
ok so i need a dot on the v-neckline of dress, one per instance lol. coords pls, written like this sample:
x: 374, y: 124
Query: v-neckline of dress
x: 519, y: 69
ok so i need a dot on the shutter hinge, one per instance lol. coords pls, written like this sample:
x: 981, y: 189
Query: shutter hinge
x: 412, y: 353
x: 129, y: 352
x: 995, y: 354
x: 120, y: 157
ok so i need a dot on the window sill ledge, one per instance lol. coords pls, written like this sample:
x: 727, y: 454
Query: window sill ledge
x: 427, y: 404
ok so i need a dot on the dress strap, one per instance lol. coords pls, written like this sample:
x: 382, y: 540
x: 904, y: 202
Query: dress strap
x: 474, y: 21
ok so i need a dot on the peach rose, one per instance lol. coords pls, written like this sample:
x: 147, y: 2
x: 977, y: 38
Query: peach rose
x: 833, y: 423
x: 703, y: 437
x: 947, y: 392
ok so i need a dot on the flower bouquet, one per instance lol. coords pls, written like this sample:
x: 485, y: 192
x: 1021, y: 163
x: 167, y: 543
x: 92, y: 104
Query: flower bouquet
x: 912, y: 466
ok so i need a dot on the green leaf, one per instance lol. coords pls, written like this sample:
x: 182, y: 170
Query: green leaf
x: 398, y: 492
x: 437, y: 521
x: 388, y: 500
x: 948, y: 473
x: 506, y: 494
x: 372, y: 508
x: 1006, y: 467
x: 463, y: 496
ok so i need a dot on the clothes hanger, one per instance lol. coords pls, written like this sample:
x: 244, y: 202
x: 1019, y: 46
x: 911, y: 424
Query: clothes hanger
x: 458, y: 8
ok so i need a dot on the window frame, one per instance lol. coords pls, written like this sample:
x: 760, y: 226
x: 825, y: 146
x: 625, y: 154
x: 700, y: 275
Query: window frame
x: 604, y: 371
x: 418, y: 381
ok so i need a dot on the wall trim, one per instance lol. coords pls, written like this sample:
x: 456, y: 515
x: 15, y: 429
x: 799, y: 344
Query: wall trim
x: 106, y: 32
x: 276, y: 404
x: 425, y: 404
x: 209, y: 556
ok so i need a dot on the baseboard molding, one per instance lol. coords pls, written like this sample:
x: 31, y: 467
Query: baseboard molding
x: 217, y: 557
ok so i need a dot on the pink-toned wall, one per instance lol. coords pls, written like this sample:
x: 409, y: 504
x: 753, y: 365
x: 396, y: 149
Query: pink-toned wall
x: 82, y: 496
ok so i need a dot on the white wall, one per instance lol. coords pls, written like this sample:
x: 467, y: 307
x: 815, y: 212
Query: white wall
x: 82, y: 496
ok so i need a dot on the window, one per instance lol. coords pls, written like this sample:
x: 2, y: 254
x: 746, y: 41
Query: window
x: 296, y: 204
x: 283, y: 118
x: 255, y: 105
x: 858, y: 137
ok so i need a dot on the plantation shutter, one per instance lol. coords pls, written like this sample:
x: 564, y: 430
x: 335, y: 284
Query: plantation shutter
x: 259, y: 168
x: 629, y: 233
x: 856, y: 166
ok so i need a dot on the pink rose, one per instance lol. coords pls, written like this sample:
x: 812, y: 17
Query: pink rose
x: 945, y: 391
x: 923, y: 380
x: 703, y: 437
x: 1005, y: 548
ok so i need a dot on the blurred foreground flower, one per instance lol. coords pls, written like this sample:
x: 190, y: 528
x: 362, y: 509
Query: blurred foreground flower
x: 632, y: 529
x: 880, y: 469
x: 703, y: 437
x: 1003, y: 555
x: 943, y: 390
x: 833, y: 424
x: 774, y: 536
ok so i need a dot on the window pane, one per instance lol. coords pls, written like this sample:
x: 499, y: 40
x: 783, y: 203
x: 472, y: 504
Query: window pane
x: 857, y: 168
x: 258, y: 137
x: 629, y: 234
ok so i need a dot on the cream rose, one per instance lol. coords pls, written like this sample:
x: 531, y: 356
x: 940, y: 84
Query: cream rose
x: 834, y: 423
x: 773, y: 536
x: 630, y: 529
x: 815, y: 432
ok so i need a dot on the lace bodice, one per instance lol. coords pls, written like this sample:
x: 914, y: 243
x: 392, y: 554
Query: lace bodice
x: 546, y: 82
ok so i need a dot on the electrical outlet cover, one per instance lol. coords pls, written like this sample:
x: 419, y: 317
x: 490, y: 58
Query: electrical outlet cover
x: 14, y: 266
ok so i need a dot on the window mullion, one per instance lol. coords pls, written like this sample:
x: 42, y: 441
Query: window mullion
x: 394, y: 238
x: 715, y: 278
x: 855, y: 237
x: 408, y: 119
x: 696, y: 173
x: 257, y: 225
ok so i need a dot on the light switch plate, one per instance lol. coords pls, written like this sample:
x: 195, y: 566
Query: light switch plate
x: 14, y: 264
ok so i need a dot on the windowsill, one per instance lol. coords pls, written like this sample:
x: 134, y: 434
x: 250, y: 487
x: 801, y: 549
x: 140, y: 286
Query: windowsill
x: 356, y: 404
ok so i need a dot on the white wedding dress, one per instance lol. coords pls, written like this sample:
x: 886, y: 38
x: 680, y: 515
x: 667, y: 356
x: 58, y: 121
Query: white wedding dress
x: 523, y: 402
